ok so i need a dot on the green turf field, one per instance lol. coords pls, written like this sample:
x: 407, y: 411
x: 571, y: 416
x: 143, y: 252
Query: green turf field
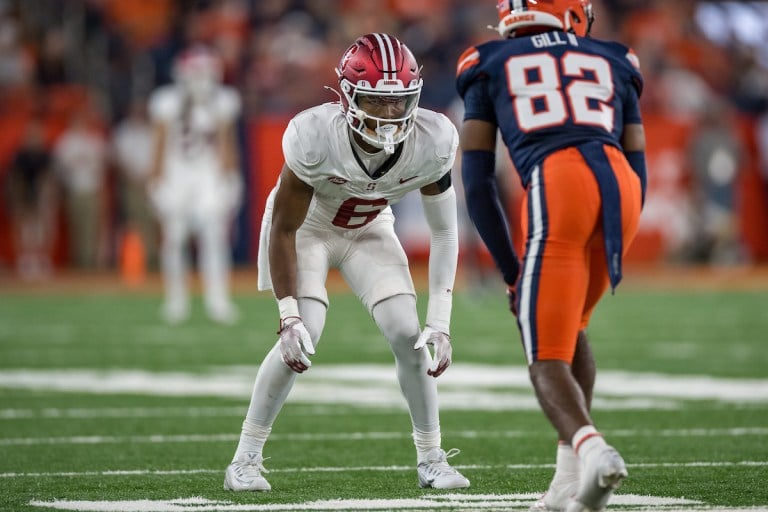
x: 104, y: 408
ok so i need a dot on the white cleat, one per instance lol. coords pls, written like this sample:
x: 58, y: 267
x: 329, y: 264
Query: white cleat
x: 244, y: 474
x: 435, y: 471
x: 175, y: 312
x: 557, y: 497
x: 599, y: 478
x: 225, y: 313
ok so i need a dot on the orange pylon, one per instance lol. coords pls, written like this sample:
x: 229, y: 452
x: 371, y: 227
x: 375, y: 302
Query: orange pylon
x: 133, y: 266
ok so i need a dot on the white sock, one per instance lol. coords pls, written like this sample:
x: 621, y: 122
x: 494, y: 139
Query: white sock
x: 425, y: 442
x: 566, y: 465
x: 587, y: 440
x: 252, y: 439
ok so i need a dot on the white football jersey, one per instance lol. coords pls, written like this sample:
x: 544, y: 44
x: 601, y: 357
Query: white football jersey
x: 317, y: 147
x: 192, y: 126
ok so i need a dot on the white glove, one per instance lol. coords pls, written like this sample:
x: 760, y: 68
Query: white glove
x: 293, y: 337
x: 442, y: 343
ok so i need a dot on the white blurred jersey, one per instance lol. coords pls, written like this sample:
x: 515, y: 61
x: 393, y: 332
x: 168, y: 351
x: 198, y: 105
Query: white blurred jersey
x: 191, y: 127
x: 350, y: 207
x: 194, y: 183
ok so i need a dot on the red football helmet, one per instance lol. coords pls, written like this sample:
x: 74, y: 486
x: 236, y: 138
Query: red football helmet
x: 380, y: 83
x: 198, y: 69
x: 515, y: 16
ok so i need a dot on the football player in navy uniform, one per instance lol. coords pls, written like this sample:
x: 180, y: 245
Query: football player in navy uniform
x: 345, y: 164
x: 566, y: 107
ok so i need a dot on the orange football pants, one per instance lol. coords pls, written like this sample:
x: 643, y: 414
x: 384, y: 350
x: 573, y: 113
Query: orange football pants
x: 564, y: 265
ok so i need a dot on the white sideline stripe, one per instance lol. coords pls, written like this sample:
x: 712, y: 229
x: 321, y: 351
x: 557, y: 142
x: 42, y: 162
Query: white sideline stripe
x: 496, y: 467
x: 487, y: 502
x: 364, y: 436
x: 121, y: 412
x: 463, y: 387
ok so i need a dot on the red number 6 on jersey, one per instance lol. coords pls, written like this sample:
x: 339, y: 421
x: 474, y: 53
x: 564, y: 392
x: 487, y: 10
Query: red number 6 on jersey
x: 355, y: 212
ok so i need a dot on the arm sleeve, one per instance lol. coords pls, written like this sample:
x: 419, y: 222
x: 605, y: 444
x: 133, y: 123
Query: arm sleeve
x: 478, y: 103
x: 440, y: 212
x: 484, y: 208
x: 636, y: 160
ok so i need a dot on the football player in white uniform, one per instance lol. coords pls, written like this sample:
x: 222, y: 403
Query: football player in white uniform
x: 345, y: 164
x: 195, y: 184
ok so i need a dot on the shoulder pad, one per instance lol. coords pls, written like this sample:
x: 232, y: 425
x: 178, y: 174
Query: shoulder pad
x: 304, y: 140
x: 442, y: 133
x: 164, y: 103
x: 228, y: 103
x: 466, y: 69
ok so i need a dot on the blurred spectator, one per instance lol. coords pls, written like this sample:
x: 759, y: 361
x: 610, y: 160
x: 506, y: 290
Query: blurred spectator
x: 16, y: 66
x: 31, y: 196
x: 132, y: 147
x: 80, y: 157
x: 715, y: 156
x: 761, y: 139
x: 51, y: 60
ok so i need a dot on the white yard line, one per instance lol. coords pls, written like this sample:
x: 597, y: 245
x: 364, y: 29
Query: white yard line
x: 345, y: 469
x: 120, y: 412
x: 463, y: 387
x: 363, y: 436
x: 454, y: 502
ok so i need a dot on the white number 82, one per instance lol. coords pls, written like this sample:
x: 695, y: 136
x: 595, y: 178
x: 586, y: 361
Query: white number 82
x: 548, y: 88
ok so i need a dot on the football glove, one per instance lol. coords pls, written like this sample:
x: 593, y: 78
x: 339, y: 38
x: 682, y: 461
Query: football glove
x: 294, y: 342
x: 512, y: 299
x: 442, y: 347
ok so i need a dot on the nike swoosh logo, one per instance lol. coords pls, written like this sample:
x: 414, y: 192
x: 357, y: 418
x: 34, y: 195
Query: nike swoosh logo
x: 405, y: 180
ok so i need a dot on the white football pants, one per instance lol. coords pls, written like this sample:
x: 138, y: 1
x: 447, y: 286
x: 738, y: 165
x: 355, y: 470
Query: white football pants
x: 213, y: 250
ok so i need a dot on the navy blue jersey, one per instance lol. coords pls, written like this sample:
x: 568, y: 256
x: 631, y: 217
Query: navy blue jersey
x: 549, y: 91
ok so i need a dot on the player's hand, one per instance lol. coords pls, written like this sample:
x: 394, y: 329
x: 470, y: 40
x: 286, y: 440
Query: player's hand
x: 294, y: 342
x: 512, y: 299
x: 442, y: 347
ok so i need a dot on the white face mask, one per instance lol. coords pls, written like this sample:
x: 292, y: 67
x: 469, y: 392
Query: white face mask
x: 382, y: 119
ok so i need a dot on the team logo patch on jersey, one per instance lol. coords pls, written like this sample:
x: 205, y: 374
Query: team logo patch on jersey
x: 337, y: 180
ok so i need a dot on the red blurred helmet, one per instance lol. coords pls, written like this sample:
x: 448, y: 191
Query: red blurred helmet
x: 382, y: 71
x: 515, y: 16
x: 198, y: 69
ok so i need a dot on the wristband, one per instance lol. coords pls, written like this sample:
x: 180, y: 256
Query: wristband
x: 439, y: 311
x: 288, y: 307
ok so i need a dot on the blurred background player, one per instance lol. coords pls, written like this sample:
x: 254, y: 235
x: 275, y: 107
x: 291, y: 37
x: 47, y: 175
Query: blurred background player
x: 195, y: 184
x: 32, y: 197
x: 80, y: 158
x: 567, y: 109
x: 345, y: 164
x: 132, y: 143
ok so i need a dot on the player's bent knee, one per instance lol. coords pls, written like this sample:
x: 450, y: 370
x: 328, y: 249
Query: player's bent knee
x: 397, y: 319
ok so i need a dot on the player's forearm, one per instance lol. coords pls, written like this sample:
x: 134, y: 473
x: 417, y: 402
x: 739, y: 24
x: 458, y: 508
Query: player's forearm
x: 282, y: 263
x: 440, y: 212
x: 228, y: 148
x: 158, y: 153
x: 486, y: 213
